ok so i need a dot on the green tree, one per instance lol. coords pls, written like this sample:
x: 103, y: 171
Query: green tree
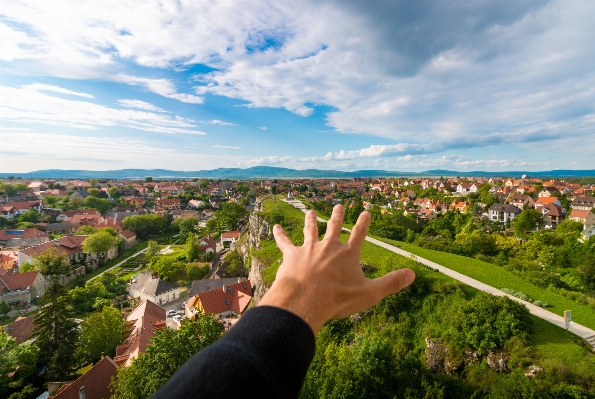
x: 27, y: 267
x: 354, y: 212
x: 85, y: 230
x: 4, y: 309
x: 192, y: 248
x: 148, y: 179
x: 235, y: 265
x: 113, y: 192
x: 56, y: 332
x: 487, y: 322
x: 50, y: 200
x: 101, y: 241
x: 51, y: 263
x: 94, y: 192
x: 189, y: 225
x: 29, y: 216
x: 230, y: 214
x: 145, y: 225
x: 528, y: 219
x: 169, y: 350
x: 101, y: 204
x: 166, y: 267
x: 152, y: 250
x: 20, y: 359
x: 196, y: 271
x: 102, y: 332
x: 93, y: 183
x: 587, y: 272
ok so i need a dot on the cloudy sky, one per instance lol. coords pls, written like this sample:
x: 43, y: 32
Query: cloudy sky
x: 396, y: 85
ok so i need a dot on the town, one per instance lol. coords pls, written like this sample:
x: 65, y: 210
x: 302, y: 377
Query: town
x: 114, y: 264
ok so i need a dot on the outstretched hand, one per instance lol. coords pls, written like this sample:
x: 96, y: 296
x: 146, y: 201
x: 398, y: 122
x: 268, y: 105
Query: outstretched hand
x: 323, y: 279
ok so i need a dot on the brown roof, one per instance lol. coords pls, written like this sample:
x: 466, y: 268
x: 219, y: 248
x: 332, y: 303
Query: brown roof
x: 144, y: 320
x: 230, y: 234
x: 71, y: 213
x: 29, y: 232
x: 232, y: 297
x: 17, y: 281
x: 169, y: 201
x: 128, y: 234
x: 21, y: 329
x: 553, y: 210
x: 96, y: 382
x: 23, y: 204
x: 69, y: 245
x: 545, y: 200
x: 579, y: 213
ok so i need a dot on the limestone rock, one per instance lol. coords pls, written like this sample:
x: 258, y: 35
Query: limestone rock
x: 471, y: 357
x: 437, y: 358
x: 533, y: 370
x: 498, y: 361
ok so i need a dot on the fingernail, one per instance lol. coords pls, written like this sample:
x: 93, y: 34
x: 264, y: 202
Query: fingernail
x: 409, y: 276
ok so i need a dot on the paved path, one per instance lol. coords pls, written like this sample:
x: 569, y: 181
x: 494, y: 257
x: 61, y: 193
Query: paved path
x: 119, y: 264
x: 581, y: 331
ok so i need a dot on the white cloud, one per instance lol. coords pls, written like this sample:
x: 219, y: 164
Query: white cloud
x: 42, y: 87
x: 29, y: 105
x: 221, y: 123
x: 227, y: 147
x: 140, y: 105
x: 263, y: 128
x: 163, y: 87
x: 270, y: 160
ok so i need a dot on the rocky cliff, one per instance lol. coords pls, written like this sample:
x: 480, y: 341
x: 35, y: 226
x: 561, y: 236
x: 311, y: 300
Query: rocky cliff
x: 258, y: 229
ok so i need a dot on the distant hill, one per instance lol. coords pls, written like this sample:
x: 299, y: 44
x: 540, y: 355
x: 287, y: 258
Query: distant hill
x: 268, y: 172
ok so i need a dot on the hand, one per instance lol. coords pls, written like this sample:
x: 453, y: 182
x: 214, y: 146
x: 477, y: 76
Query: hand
x: 323, y: 280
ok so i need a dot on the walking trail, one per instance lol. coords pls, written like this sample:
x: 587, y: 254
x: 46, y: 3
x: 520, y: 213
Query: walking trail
x: 580, y: 330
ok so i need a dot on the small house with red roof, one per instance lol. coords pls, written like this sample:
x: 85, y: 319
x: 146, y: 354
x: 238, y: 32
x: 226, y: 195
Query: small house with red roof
x: 21, y: 329
x: 22, y: 288
x: 221, y: 302
x: 229, y: 238
x: 94, y: 384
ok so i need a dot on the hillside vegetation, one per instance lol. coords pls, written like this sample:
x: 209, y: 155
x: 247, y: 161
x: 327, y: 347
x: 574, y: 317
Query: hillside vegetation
x: 436, y: 339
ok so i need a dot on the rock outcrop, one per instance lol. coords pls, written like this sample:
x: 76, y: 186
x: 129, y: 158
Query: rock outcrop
x: 257, y: 229
x: 437, y: 358
x: 498, y: 361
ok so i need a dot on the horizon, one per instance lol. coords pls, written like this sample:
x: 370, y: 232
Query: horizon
x: 494, y: 86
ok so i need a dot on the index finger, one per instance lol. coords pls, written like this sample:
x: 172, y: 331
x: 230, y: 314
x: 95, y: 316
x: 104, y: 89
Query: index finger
x: 335, y: 223
x: 360, y: 230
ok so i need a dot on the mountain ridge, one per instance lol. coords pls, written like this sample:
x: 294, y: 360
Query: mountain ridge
x: 280, y: 173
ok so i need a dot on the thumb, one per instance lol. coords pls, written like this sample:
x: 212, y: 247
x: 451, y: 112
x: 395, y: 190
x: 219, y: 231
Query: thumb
x: 393, y: 282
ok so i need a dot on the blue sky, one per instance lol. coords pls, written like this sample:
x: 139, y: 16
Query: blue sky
x: 396, y: 85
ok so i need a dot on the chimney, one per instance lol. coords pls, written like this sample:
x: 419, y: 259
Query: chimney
x: 82, y: 392
x: 224, y: 287
x: 102, y: 355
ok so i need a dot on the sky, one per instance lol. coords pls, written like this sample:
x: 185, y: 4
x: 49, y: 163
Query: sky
x: 347, y: 85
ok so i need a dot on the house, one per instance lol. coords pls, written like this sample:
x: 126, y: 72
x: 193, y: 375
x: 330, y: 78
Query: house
x: 21, y: 329
x: 200, y: 286
x: 522, y: 201
x: 502, y: 212
x: 37, y: 186
x: 8, y: 212
x: 94, y: 384
x: 589, y: 232
x: 541, y: 201
x: 8, y: 259
x: 207, y: 214
x: 466, y: 188
x: 79, y: 195
x: 195, y: 204
x: 462, y: 207
x: 23, y: 206
x: 549, y: 192
x: 29, y: 232
x: 67, y: 216
x: 428, y: 214
x: 60, y: 228
x: 129, y: 238
x: 79, y: 184
x: 583, y: 203
x: 22, y: 288
x: 147, y: 286
x: 168, y: 204
x: 229, y: 237
x: 553, y: 214
x: 144, y: 320
x: 114, y: 223
x: 586, y: 217
x: 221, y: 302
x: 207, y: 244
x: 71, y: 246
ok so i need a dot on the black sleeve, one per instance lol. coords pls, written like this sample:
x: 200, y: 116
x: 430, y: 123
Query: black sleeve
x: 266, y: 355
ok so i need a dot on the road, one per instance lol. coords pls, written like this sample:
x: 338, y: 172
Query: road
x: 580, y: 330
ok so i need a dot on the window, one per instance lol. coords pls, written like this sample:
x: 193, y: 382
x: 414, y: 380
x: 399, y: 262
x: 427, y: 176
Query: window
x: 229, y: 291
x: 244, y: 285
x: 227, y: 302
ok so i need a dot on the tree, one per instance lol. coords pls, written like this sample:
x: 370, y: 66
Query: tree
x: 101, y: 204
x: 235, y: 265
x: 102, y: 332
x: 587, y: 272
x: 56, y: 332
x: 144, y: 225
x: 85, y: 230
x: 148, y: 179
x: 152, y: 250
x: 113, y: 192
x: 196, y: 272
x: 354, y: 212
x: 20, y: 359
x: 528, y: 219
x: 230, y: 214
x: 4, y: 309
x: 101, y: 241
x: 192, y: 248
x: 169, y: 350
x: 29, y: 216
x: 50, y: 200
x: 93, y: 183
x: 166, y: 267
x: 51, y: 263
x: 186, y: 226
x: 94, y: 192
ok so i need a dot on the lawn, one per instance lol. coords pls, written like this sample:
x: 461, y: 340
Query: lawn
x: 130, y: 251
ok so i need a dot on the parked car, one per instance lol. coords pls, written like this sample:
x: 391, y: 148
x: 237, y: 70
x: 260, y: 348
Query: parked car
x: 178, y: 318
x: 173, y: 312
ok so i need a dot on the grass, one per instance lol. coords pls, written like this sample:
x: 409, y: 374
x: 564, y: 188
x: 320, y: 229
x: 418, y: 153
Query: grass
x: 127, y: 253
x: 499, y: 277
